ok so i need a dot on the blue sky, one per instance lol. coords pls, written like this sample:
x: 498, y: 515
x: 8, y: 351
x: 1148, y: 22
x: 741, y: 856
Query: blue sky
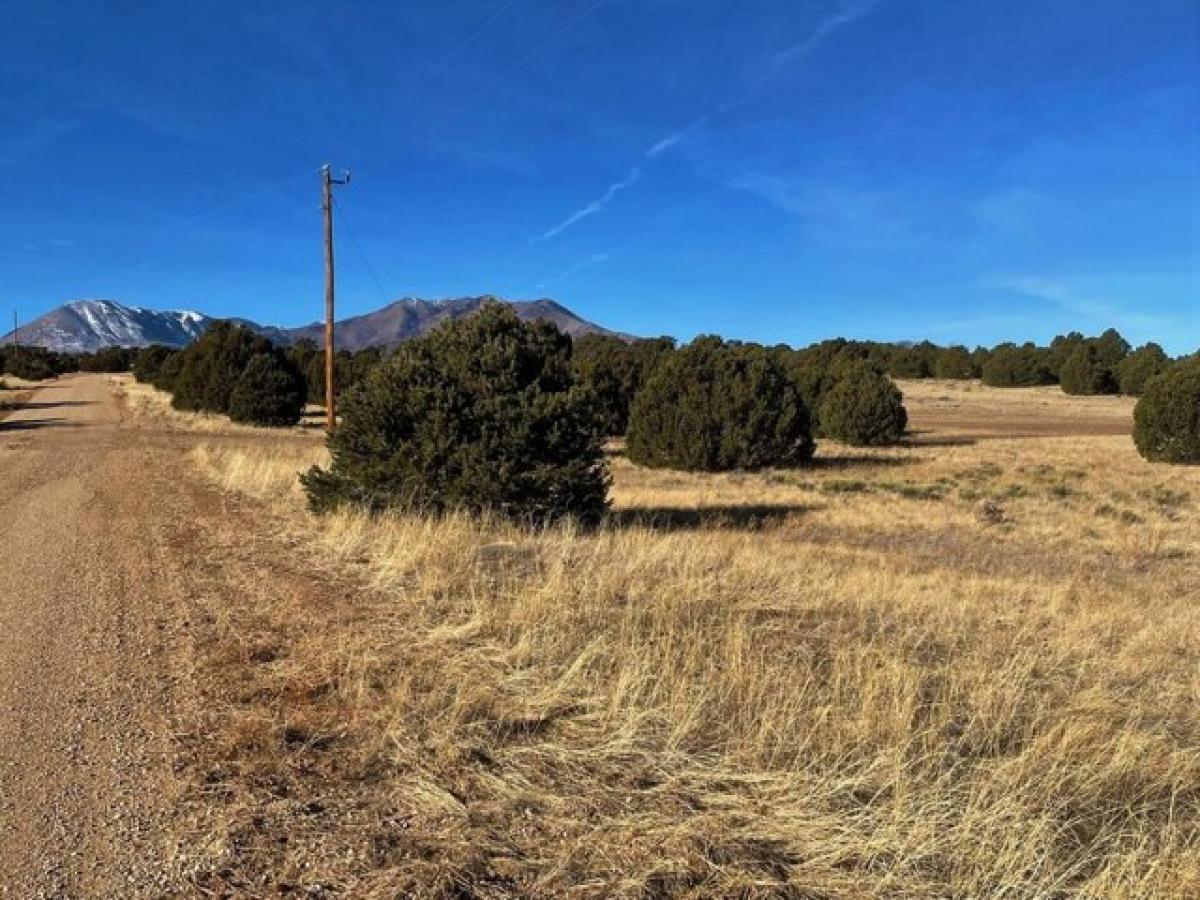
x: 775, y: 170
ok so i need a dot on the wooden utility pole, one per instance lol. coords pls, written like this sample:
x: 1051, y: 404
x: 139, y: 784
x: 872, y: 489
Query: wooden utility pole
x: 327, y: 183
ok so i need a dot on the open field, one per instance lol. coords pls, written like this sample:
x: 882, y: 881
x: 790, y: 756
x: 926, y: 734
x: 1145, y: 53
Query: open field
x: 965, y: 667
x: 947, y: 411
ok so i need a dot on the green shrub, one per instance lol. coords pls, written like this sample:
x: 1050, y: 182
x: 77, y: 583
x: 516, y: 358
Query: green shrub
x: 1111, y: 350
x: 301, y: 354
x: 917, y: 361
x: 863, y: 408
x: 270, y: 392
x: 34, y: 363
x: 168, y: 373
x: 1011, y: 366
x: 954, y: 362
x: 107, y: 359
x: 212, y: 366
x: 1084, y: 373
x: 149, y: 361
x: 1088, y: 365
x: 1061, y: 348
x: 615, y: 370
x: 714, y: 406
x: 815, y: 370
x: 480, y: 414
x: 1166, y: 420
x: 1139, y: 367
x: 349, y: 369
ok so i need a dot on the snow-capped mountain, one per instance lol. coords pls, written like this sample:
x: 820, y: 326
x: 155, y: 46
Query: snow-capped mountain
x: 87, y: 325
x: 93, y: 324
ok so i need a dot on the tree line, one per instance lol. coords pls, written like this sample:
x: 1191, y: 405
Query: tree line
x: 490, y: 412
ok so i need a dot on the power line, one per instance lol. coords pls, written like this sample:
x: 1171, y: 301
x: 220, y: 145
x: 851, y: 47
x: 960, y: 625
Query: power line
x: 342, y: 217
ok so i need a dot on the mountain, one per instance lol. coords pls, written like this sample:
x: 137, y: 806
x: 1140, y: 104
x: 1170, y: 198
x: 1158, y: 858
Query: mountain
x: 85, y: 325
x: 408, y: 318
x: 93, y: 324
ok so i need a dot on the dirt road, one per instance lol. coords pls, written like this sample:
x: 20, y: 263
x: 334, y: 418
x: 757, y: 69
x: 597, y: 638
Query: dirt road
x: 84, y: 779
x: 95, y: 595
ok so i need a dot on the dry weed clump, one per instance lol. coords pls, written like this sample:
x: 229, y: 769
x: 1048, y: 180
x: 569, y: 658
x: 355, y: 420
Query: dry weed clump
x: 867, y: 693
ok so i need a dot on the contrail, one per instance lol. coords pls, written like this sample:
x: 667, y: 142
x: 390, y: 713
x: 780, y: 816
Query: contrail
x: 566, y: 29
x: 845, y: 14
x: 475, y: 35
x: 779, y: 62
x: 592, y: 208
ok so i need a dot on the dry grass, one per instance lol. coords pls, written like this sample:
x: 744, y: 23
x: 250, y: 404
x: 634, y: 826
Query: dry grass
x: 933, y: 671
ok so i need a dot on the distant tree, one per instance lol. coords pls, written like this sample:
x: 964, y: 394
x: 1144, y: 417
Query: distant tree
x: 149, y: 360
x: 714, y: 406
x: 1011, y: 366
x: 979, y: 358
x: 301, y: 353
x: 1061, y: 349
x: 1111, y: 350
x: 35, y: 363
x: 481, y: 413
x: 615, y: 370
x: 954, y: 362
x: 269, y: 392
x: 1166, y: 420
x: 212, y: 366
x: 917, y: 361
x: 864, y: 408
x: 107, y: 359
x: 1084, y: 373
x: 1093, y: 372
x: 1140, y: 366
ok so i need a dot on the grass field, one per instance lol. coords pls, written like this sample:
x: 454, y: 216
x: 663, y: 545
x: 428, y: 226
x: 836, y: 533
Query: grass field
x: 964, y: 667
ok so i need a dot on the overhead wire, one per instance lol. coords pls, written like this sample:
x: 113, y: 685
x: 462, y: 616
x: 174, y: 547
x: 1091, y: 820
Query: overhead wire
x: 345, y: 220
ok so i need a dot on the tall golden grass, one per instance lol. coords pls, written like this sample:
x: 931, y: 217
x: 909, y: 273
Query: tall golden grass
x: 843, y: 681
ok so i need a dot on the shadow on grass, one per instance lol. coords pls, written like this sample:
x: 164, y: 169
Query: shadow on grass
x: 675, y: 518
x: 932, y: 439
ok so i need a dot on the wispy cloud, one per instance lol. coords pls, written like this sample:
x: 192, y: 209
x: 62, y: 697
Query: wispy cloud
x: 833, y: 211
x: 1094, y: 308
x: 843, y: 15
x: 658, y: 148
x: 779, y: 62
x: 592, y: 208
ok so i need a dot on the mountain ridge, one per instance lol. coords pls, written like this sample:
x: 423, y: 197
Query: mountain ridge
x: 89, y: 325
